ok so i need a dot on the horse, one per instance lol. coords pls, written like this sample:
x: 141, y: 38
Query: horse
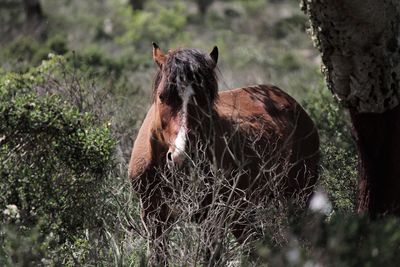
x: 242, y: 132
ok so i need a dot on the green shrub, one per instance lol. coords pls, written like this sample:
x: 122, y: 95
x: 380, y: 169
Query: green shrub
x: 95, y: 63
x: 54, y: 162
x: 255, y: 7
x: 57, y: 44
x: 355, y: 241
x: 339, y: 159
x: 287, y: 25
x: 156, y: 23
x: 25, y: 52
x: 341, y: 240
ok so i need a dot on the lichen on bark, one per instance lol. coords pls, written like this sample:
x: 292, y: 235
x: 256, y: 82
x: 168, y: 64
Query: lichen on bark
x: 359, y: 41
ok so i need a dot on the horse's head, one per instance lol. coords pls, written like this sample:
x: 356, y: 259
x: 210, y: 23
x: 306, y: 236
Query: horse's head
x: 185, y: 85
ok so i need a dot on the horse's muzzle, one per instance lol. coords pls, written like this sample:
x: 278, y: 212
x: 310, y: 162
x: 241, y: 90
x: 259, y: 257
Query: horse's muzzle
x: 175, y: 159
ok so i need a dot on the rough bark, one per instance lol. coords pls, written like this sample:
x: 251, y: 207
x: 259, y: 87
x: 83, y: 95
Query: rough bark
x: 360, y: 47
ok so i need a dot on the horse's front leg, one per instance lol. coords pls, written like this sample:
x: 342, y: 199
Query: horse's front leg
x: 156, y: 219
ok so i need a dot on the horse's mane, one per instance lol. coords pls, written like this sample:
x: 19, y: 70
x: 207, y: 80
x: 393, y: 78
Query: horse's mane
x: 189, y: 67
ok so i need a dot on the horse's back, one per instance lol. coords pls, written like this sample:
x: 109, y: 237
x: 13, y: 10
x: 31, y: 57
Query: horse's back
x: 269, y: 113
x: 263, y: 106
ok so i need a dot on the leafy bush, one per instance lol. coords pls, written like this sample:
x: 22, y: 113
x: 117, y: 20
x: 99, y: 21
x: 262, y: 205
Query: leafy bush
x: 54, y: 162
x: 27, y: 51
x: 341, y: 240
x: 156, y: 23
x: 347, y: 240
x: 339, y: 158
x: 284, y: 26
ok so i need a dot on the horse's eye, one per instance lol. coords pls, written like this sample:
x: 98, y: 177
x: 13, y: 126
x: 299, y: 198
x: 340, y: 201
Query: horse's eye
x: 162, y: 98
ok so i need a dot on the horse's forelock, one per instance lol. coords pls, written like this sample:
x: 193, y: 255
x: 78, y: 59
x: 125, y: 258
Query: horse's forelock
x: 185, y: 67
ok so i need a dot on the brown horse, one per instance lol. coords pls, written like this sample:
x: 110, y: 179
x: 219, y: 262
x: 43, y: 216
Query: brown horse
x: 250, y: 135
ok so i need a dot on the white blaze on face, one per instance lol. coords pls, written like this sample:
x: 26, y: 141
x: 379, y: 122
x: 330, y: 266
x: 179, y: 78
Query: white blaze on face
x: 181, y: 138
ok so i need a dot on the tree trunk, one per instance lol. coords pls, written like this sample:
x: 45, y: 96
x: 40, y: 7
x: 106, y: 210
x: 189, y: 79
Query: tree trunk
x: 137, y: 4
x: 33, y: 11
x: 378, y: 141
x: 360, y: 48
x: 203, y: 6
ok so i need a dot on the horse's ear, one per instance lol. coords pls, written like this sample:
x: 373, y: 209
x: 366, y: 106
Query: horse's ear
x: 214, y: 55
x: 158, y: 55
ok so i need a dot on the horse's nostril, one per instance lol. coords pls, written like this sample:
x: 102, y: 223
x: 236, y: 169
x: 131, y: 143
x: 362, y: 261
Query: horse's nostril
x: 169, y: 156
